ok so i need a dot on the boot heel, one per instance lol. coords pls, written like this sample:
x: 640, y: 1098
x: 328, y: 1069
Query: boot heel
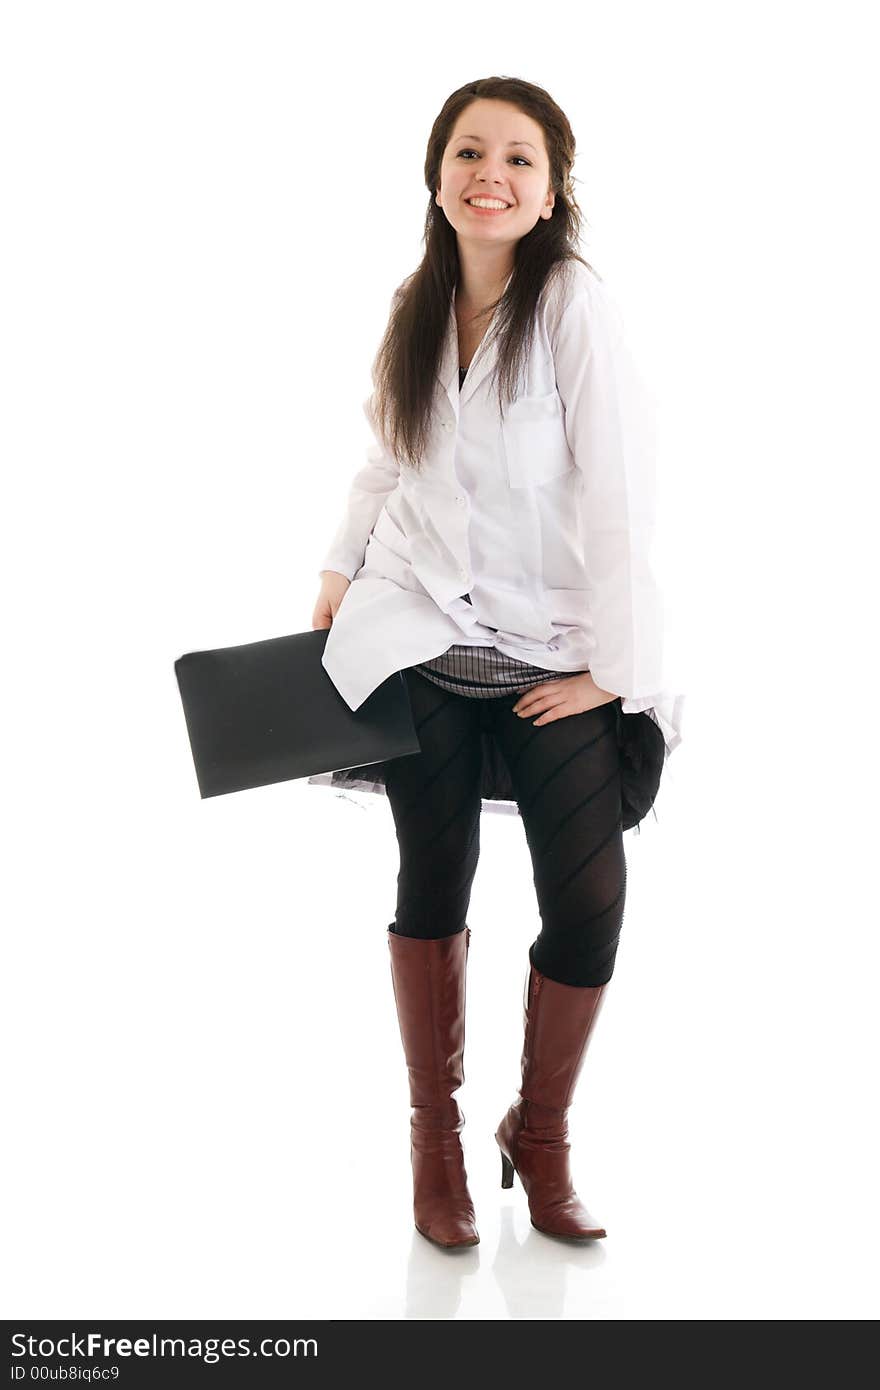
x: 506, y: 1171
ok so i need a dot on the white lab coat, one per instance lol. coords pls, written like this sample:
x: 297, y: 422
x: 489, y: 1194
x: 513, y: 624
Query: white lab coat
x: 568, y: 477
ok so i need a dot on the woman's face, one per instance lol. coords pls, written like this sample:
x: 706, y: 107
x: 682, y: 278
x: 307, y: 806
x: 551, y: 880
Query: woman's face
x: 497, y: 152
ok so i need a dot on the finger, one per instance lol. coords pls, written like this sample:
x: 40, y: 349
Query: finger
x: 536, y: 699
x: 557, y: 712
x: 543, y: 707
x: 530, y: 696
x: 531, y: 706
x: 566, y: 709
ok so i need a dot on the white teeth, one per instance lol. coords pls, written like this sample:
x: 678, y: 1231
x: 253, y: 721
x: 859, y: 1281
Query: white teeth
x: 487, y: 203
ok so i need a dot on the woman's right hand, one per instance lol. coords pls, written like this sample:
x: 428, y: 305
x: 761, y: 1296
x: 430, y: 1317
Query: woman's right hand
x: 333, y: 590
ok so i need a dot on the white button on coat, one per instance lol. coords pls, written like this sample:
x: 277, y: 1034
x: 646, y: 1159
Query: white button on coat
x: 555, y: 543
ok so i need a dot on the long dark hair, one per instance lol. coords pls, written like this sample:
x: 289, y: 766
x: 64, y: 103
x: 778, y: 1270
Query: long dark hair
x: 405, y: 367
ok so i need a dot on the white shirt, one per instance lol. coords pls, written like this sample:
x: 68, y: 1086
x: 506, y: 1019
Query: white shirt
x: 545, y: 518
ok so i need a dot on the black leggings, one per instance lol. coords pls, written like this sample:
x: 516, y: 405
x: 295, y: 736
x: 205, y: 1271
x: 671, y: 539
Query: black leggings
x: 566, y: 779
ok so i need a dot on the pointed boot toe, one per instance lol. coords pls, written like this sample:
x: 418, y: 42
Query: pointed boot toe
x: 568, y: 1220
x: 448, y: 1227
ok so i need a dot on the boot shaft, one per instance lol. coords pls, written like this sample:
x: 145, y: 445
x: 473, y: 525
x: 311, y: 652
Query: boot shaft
x: 429, y: 981
x: 558, y: 1021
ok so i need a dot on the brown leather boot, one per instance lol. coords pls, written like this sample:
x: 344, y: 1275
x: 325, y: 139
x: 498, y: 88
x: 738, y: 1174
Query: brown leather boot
x: 429, y: 989
x: 533, y: 1136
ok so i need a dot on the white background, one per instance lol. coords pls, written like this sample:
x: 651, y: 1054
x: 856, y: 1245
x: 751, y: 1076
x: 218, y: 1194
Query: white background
x: 207, y: 207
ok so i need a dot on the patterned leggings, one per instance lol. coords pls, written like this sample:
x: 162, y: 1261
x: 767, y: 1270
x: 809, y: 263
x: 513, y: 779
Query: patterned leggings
x: 566, y: 779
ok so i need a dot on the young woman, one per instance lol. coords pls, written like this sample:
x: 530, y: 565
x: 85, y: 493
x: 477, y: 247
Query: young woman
x: 495, y: 550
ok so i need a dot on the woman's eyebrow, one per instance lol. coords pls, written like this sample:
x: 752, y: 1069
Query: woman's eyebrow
x: 480, y: 141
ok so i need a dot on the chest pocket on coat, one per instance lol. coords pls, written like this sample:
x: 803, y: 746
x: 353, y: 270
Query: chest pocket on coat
x: 535, y: 446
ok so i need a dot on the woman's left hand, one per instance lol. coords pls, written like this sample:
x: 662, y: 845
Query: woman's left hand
x: 560, y: 698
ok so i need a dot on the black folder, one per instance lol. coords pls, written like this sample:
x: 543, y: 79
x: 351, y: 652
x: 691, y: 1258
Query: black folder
x: 268, y: 712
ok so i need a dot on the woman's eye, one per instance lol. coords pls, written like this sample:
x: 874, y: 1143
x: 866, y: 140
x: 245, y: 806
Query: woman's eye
x: 513, y: 156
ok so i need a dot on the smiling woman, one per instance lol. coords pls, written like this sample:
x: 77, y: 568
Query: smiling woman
x: 513, y: 196
x: 495, y: 550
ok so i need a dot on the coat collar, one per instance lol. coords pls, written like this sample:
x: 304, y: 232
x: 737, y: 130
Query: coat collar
x: 483, y: 362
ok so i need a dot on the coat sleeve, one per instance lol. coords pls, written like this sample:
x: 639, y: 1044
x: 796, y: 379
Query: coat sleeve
x: 370, y: 486
x: 609, y: 423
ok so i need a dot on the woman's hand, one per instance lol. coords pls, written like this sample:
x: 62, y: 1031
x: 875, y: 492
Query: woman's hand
x: 558, y: 699
x: 334, y: 587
